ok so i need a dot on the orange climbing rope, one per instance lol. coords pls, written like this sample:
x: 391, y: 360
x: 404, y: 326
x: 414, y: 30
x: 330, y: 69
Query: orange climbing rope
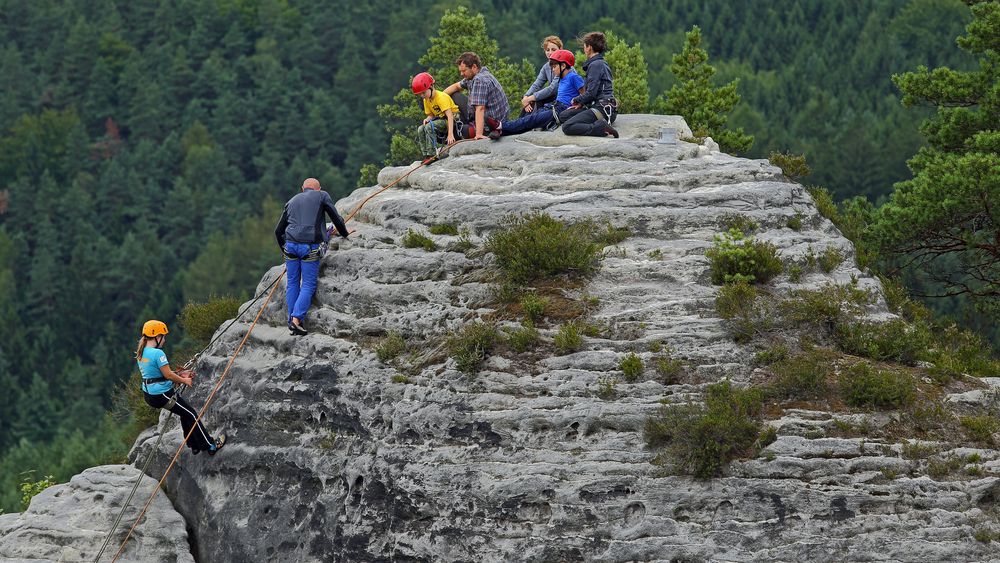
x: 236, y: 353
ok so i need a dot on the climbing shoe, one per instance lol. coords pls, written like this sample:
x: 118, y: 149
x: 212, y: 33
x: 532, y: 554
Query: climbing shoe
x: 219, y: 443
x: 427, y: 161
x: 609, y: 130
x: 495, y: 134
x: 297, y: 330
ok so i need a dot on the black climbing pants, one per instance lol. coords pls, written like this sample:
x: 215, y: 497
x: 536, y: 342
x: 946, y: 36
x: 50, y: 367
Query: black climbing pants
x: 584, y: 121
x: 200, y: 440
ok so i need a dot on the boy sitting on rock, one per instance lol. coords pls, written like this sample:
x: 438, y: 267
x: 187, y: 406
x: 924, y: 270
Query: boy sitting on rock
x: 439, y: 125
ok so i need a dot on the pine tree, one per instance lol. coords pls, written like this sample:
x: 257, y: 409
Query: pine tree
x: 704, y: 107
x: 944, y: 222
x: 628, y: 67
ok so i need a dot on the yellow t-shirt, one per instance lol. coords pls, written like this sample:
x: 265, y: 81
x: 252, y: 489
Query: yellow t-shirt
x: 436, y: 105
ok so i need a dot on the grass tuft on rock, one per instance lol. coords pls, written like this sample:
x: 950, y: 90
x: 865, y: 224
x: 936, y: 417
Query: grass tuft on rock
x: 390, y: 347
x: 470, y: 346
x: 736, y: 257
x: 413, y: 239
x: 632, y: 367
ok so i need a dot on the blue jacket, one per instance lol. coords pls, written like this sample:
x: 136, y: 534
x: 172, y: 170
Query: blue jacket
x: 302, y: 219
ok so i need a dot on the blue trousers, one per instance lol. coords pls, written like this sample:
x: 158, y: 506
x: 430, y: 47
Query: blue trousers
x: 301, y: 278
x: 541, y: 117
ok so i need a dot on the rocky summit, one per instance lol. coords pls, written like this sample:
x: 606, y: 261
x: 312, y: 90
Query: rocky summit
x: 338, y: 455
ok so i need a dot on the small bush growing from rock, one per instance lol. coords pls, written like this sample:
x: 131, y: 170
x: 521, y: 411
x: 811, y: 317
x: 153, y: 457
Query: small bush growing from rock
x: 894, y: 340
x: 568, y: 338
x: 771, y: 355
x: 400, y: 378
x: 389, y: 347
x: 669, y: 368
x: 741, y: 223
x: 825, y: 308
x: 737, y: 303
x: 865, y: 386
x: 469, y: 346
x: 824, y: 203
x: 537, y: 245
x: 793, y: 166
x: 413, y: 239
x: 795, y: 222
x: 736, y: 257
x: 632, y: 367
x: 804, y: 376
x: 980, y: 428
x: 702, y: 440
x: 795, y: 273
x: 523, y: 338
x: 830, y: 259
x: 534, y: 307
x: 201, y: 320
x: 31, y: 488
x: 464, y: 243
x: 443, y: 229
x: 943, y: 467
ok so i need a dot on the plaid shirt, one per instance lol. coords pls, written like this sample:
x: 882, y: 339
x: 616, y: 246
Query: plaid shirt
x: 484, y: 90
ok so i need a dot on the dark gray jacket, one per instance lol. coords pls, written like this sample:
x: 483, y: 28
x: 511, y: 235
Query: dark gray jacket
x: 302, y: 220
x: 598, y: 86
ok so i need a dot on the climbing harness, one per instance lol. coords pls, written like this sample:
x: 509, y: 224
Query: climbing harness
x: 269, y: 290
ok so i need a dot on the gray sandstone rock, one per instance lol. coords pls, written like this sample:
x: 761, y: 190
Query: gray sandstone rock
x: 333, y: 459
x: 69, y: 522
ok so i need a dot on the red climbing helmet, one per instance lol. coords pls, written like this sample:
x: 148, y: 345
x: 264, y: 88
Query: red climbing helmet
x: 422, y: 82
x: 563, y: 56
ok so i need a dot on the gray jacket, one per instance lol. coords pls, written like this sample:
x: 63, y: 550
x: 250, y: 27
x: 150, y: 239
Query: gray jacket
x: 598, y: 86
x: 544, y: 77
x: 302, y: 220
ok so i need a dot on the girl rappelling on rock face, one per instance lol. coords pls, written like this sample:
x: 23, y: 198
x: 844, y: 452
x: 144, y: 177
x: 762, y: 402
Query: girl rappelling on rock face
x: 158, y: 387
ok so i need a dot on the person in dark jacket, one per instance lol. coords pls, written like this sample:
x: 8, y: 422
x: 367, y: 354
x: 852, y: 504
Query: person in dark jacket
x: 300, y: 233
x: 593, y: 112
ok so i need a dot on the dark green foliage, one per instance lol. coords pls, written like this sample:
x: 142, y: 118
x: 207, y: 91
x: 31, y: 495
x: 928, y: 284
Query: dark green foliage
x: 829, y: 260
x: 413, y: 239
x: 608, y: 235
x: 865, y: 386
x: 201, y: 320
x: 792, y: 165
x: 742, y: 223
x: 943, y: 221
x: 669, y: 368
x: 701, y: 440
x: 538, y: 245
x: 704, y: 107
x: 736, y: 257
x: 632, y: 367
x: 795, y: 222
x: 470, y: 346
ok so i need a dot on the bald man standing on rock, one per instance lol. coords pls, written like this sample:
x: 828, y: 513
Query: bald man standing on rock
x: 300, y: 232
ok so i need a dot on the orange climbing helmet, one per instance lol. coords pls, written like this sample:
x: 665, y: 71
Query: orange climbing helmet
x: 422, y: 82
x: 563, y: 56
x: 154, y: 328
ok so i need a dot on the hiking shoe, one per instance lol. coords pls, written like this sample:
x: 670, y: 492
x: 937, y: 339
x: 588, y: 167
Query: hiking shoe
x: 442, y: 152
x: 609, y: 130
x: 195, y: 451
x: 219, y: 442
x: 495, y: 135
x: 427, y: 161
x: 297, y: 330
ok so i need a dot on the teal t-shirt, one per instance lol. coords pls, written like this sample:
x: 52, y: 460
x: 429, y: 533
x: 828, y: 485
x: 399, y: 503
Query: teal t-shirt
x: 149, y: 365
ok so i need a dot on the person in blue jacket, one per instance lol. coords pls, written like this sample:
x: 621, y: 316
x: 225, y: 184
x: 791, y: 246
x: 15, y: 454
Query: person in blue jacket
x: 593, y: 112
x: 158, y: 387
x: 300, y: 233
x: 570, y: 85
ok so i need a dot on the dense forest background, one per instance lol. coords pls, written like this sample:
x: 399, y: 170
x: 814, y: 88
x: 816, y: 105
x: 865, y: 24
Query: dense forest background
x: 145, y: 146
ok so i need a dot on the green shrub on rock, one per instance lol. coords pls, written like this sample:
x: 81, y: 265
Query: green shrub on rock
x: 470, y: 345
x: 701, y: 440
x: 537, y: 245
x: 865, y: 386
x: 632, y: 367
x: 201, y: 320
x: 736, y: 257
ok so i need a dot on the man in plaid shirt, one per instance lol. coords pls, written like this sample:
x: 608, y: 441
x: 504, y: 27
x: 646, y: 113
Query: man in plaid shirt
x: 485, y: 93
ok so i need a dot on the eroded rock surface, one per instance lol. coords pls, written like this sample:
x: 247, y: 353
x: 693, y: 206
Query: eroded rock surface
x: 336, y: 456
x: 70, y: 522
